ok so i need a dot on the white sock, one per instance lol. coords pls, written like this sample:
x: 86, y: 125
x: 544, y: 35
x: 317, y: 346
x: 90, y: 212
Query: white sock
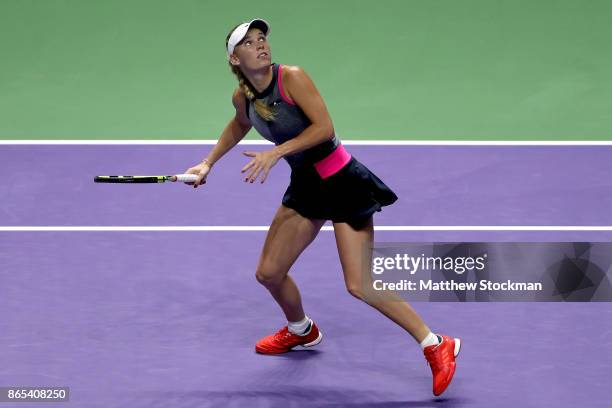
x: 430, y: 340
x: 299, y: 327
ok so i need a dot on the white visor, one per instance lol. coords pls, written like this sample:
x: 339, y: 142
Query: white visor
x: 240, y: 31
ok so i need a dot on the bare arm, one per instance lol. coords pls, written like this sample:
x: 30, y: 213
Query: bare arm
x: 299, y: 87
x: 234, y: 131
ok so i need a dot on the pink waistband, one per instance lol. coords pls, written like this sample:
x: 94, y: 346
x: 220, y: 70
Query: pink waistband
x: 332, y: 163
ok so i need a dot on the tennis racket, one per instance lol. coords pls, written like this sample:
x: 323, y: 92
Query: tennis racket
x: 185, y: 178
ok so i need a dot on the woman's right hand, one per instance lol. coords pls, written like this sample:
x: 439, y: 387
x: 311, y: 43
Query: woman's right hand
x: 201, y: 170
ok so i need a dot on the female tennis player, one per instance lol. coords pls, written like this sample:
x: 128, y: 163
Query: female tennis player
x: 327, y: 183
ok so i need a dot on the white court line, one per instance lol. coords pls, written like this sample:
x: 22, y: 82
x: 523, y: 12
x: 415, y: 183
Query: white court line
x: 249, y: 228
x: 346, y: 142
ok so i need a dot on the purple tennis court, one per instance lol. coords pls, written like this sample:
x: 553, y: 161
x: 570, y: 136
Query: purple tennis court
x: 169, y: 318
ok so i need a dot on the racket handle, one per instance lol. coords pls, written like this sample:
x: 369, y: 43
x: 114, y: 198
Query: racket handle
x: 185, y: 178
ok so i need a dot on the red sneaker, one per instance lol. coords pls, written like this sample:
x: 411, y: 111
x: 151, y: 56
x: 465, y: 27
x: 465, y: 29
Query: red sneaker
x: 283, y: 340
x: 441, y: 359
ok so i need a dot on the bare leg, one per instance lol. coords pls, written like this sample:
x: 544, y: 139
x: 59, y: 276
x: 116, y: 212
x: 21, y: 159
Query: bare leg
x: 351, y: 245
x: 289, y: 234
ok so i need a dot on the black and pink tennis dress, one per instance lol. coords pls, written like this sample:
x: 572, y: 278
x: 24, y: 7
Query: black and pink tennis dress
x: 326, y: 181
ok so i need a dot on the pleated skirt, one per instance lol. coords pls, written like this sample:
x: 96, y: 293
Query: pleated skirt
x: 351, y: 195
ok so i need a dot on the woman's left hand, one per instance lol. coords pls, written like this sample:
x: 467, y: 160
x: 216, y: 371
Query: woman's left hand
x: 261, y: 162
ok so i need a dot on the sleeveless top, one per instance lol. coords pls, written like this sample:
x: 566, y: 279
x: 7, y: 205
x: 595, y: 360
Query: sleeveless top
x: 289, y: 121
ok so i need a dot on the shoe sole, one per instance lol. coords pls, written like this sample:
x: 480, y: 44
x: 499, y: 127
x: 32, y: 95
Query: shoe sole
x: 312, y: 343
x: 300, y: 347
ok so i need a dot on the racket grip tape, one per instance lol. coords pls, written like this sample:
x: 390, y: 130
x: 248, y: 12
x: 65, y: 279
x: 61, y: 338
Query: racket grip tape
x: 186, y: 178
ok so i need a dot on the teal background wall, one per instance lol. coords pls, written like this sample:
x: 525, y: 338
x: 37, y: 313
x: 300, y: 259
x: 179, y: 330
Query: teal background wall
x: 393, y: 69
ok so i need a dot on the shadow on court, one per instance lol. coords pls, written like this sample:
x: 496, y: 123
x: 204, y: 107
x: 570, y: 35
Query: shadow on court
x: 313, y: 397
